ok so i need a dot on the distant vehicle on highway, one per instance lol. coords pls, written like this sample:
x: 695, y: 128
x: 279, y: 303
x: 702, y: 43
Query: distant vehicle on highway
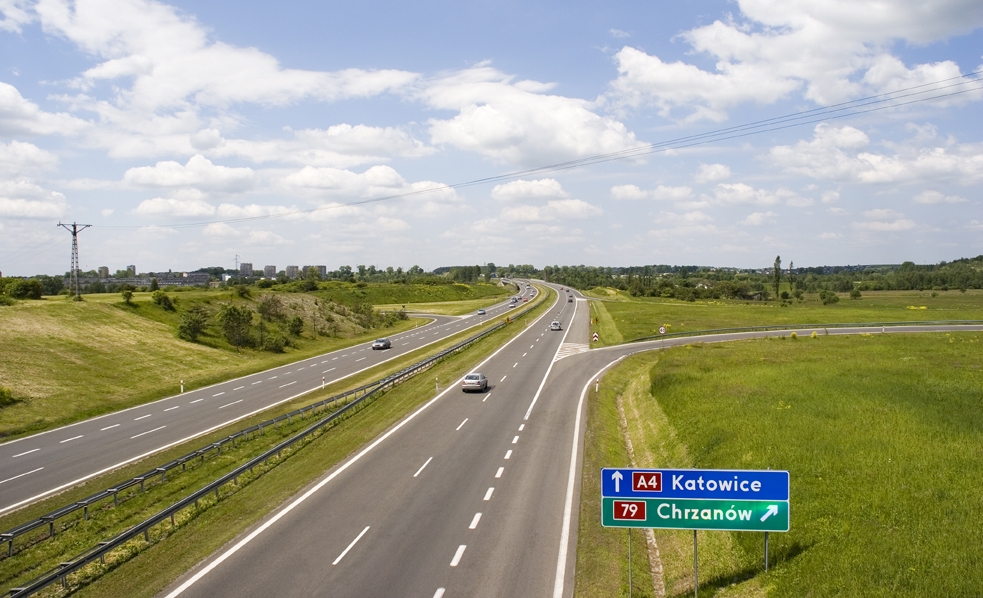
x: 569, y: 299
x: 481, y: 312
x: 555, y: 325
x: 381, y: 343
x: 475, y: 381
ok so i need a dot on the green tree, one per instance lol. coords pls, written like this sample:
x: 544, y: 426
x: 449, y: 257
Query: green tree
x: 274, y: 342
x: 160, y: 298
x: 855, y: 294
x: 828, y: 297
x: 25, y: 289
x: 193, y: 323
x: 127, y: 296
x: 242, y: 290
x: 778, y: 273
x: 153, y: 284
x: 270, y: 307
x: 236, y: 321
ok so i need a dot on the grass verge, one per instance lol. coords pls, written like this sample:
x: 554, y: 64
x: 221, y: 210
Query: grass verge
x: 881, y: 435
x: 144, y: 568
x: 637, y: 317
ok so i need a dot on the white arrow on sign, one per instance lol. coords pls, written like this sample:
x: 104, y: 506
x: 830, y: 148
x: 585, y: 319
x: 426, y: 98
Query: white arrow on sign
x: 772, y: 510
x: 595, y: 337
x: 617, y: 477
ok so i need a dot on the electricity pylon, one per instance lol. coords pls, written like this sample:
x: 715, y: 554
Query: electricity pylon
x: 74, y: 281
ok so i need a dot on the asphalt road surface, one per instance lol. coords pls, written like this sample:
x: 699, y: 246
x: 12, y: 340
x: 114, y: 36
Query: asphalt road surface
x: 470, y: 495
x: 36, y: 466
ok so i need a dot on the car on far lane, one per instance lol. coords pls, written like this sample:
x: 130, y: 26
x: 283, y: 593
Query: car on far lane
x: 481, y: 312
x: 555, y: 325
x: 475, y: 381
x: 569, y: 299
x: 381, y: 343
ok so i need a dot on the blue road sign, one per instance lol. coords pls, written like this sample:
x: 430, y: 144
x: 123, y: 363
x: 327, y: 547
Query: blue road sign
x: 713, y: 484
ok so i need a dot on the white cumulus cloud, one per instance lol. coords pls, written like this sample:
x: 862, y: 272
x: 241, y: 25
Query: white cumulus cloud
x: 522, y: 189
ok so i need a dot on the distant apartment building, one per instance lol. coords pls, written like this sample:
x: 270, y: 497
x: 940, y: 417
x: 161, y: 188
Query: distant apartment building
x: 103, y: 271
x: 323, y: 271
x: 132, y: 269
x: 292, y: 271
x: 246, y: 269
x: 269, y: 271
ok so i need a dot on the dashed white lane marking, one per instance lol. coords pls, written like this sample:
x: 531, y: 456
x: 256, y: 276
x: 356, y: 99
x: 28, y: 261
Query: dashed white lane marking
x: 504, y: 377
x: 508, y: 454
x: 344, y: 552
x: 239, y: 388
x: 288, y: 384
x: 515, y: 364
x: 255, y: 383
x: 70, y: 439
x: 522, y: 427
x: 514, y: 440
x: 27, y: 452
x: 486, y: 397
x: 172, y: 408
x: 422, y: 466
x: 21, y: 475
x: 334, y: 358
x: 500, y: 471
x: 474, y: 522
x: 462, y: 423
x: 439, y: 593
x: 196, y: 401
x: 458, y: 555
x: 228, y: 404
x: 147, y: 432
x: 524, y: 354
x: 359, y: 359
x: 142, y: 417
x: 404, y: 344
x: 489, y: 493
x: 532, y: 346
x: 272, y: 378
x: 223, y: 392
x: 285, y: 373
x: 326, y: 371
x: 108, y: 427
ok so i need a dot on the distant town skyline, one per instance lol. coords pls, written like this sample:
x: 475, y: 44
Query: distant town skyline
x: 189, y: 133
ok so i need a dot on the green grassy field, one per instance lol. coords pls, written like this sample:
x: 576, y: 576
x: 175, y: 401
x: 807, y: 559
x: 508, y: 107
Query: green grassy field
x: 144, y: 569
x: 881, y: 435
x: 628, y: 318
x: 380, y: 294
x: 66, y: 360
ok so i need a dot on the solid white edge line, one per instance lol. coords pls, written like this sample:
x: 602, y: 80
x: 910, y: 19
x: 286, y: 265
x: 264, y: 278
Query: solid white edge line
x: 561, y: 559
x: 458, y: 555
x: 550, y: 368
x: 221, y: 558
x: 344, y: 552
x: 203, y: 432
x: 422, y: 466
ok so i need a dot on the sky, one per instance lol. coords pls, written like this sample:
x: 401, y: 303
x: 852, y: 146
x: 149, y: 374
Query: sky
x: 193, y: 134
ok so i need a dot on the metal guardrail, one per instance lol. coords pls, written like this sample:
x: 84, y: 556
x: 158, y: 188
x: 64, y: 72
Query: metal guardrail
x: 803, y: 327
x: 99, y: 551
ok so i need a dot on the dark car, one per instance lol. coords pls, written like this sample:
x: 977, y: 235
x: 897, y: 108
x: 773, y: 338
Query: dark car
x: 381, y: 343
x: 475, y: 381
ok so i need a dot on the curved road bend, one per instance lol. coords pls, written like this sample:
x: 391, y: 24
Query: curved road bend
x: 36, y: 466
x: 470, y: 495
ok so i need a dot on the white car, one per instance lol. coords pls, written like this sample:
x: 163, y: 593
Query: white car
x: 555, y: 325
x: 475, y: 381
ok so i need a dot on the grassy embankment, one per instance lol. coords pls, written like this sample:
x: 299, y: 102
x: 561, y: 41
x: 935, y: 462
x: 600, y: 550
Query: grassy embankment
x: 624, y: 318
x: 66, y: 361
x: 881, y: 435
x: 142, y: 569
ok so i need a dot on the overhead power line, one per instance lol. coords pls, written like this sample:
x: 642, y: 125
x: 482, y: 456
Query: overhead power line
x: 875, y: 103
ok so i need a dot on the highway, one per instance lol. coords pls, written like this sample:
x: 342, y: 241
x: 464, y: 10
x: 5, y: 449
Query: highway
x: 42, y: 464
x: 470, y: 495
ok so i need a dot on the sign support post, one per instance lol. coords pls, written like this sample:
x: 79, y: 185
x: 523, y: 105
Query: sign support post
x: 766, y: 552
x: 696, y: 570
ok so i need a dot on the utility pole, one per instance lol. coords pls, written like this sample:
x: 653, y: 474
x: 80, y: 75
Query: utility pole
x: 74, y: 280
x: 237, y: 262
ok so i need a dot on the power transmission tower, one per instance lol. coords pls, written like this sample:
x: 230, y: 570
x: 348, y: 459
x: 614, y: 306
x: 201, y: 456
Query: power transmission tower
x: 74, y: 281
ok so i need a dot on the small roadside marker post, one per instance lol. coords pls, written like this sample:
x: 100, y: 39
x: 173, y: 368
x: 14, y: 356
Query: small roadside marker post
x: 322, y: 382
x: 182, y: 385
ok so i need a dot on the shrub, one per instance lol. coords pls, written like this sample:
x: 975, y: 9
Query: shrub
x: 6, y: 397
x: 855, y: 294
x: 193, y: 323
x: 242, y: 290
x: 296, y: 325
x: 236, y: 321
x: 794, y: 335
x: 25, y: 289
x: 274, y: 342
x: 160, y: 298
x: 814, y: 334
x: 828, y: 297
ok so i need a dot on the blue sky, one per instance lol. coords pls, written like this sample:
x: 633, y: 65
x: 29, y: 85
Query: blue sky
x: 163, y: 125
